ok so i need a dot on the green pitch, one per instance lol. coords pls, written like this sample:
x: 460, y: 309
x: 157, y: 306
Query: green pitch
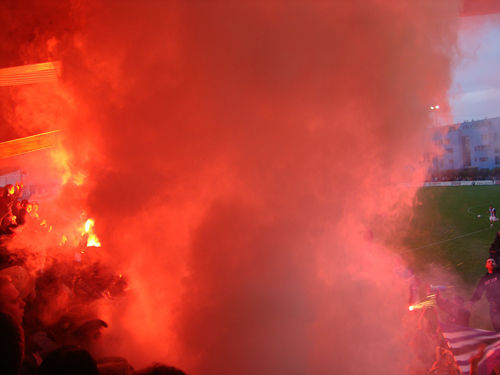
x: 446, y: 229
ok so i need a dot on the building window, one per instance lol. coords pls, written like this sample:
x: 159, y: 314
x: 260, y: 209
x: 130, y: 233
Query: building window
x: 450, y: 162
x: 449, y: 150
x: 497, y: 159
x: 446, y: 141
x: 483, y: 159
x: 497, y: 149
x: 482, y: 148
x: 466, y: 151
x: 484, y: 137
x: 441, y: 164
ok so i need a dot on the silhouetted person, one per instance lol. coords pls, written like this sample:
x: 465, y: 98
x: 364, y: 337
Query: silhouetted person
x: 493, y: 215
x: 158, y: 369
x: 490, y: 283
x: 6, y: 200
x: 16, y: 206
x: 18, y: 190
x: 445, y: 363
x: 114, y: 366
x: 456, y: 310
x: 68, y: 360
x: 7, y: 224
x: 88, y: 333
x: 24, y: 209
x: 495, y: 248
x: 10, y: 300
x: 11, y: 332
x: 475, y: 358
x: 11, y: 345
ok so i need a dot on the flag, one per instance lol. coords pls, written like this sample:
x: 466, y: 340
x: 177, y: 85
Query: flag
x: 28, y: 74
x: 464, y: 342
x: 24, y: 145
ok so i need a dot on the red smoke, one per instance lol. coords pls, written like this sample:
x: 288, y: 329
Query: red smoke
x: 237, y: 155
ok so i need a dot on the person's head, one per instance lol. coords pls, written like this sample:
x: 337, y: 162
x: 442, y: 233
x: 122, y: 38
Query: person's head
x: 9, y: 190
x: 8, y: 220
x: 490, y: 264
x: 68, y: 360
x: 159, y: 369
x: 10, y: 301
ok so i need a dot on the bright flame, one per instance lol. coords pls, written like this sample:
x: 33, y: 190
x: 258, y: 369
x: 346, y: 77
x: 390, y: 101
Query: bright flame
x: 427, y: 302
x: 89, y: 224
x: 92, y: 239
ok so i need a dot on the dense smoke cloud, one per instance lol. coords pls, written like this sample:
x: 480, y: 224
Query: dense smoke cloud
x: 242, y: 164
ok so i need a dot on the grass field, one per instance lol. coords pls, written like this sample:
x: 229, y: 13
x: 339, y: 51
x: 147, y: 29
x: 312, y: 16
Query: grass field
x: 446, y: 229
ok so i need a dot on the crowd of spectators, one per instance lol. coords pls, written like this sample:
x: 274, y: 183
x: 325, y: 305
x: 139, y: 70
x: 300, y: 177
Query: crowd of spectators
x: 459, y: 178
x: 451, y: 311
x: 38, y: 338
x: 13, y: 209
x: 467, y: 174
x: 430, y: 349
x: 47, y: 324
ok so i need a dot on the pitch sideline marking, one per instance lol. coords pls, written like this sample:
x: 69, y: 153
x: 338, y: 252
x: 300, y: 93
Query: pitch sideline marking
x: 469, y: 210
x: 448, y: 240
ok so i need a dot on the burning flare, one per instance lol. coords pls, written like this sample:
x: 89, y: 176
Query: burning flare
x: 92, y: 240
x: 428, y: 301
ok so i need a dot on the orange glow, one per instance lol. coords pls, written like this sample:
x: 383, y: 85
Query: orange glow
x: 78, y: 178
x: 62, y: 159
x: 27, y: 74
x: 64, y: 239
